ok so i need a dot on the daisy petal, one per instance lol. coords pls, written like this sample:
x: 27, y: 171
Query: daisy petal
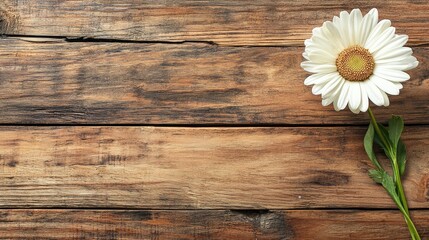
x: 322, y: 43
x: 411, y: 66
x: 319, y: 78
x: 378, y: 29
x: 337, y: 25
x: 396, y: 42
x: 398, y: 85
x: 355, y: 111
x: 327, y: 101
x: 374, y: 94
x: 335, y: 103
x: 364, y: 103
x: 344, y: 27
x: 405, y: 64
x: 318, y: 68
x: 317, y: 30
x: 336, y: 106
x: 373, y: 14
x: 333, y: 34
x: 385, y: 99
x: 332, y: 86
x: 394, y: 53
x: 367, y: 26
x: 333, y: 97
x: 384, y: 85
x: 391, y: 74
x: 321, y: 56
x: 397, y: 60
x: 317, y: 88
x: 354, y: 96
x: 343, y: 98
x: 310, y: 80
x: 396, y: 66
x: 305, y: 55
x: 381, y: 40
x: 354, y: 25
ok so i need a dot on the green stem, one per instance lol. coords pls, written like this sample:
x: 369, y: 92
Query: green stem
x: 398, y: 182
x: 411, y: 227
x: 397, y: 175
x: 402, y: 201
x: 377, y: 129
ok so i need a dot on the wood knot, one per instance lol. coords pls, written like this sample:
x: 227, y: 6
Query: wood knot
x: 8, y: 22
x: 266, y: 222
x: 329, y: 178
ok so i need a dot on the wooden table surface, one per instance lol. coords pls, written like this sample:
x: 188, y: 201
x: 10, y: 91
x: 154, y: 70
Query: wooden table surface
x: 180, y: 119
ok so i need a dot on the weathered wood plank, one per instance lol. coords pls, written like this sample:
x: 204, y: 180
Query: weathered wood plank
x: 198, y: 168
x: 118, y: 83
x: 206, y: 224
x: 225, y: 22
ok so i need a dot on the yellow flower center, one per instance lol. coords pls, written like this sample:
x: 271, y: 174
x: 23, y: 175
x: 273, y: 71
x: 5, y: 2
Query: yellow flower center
x: 355, y: 64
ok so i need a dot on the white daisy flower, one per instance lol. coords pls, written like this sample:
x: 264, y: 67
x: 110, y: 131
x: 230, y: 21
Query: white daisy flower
x: 355, y: 58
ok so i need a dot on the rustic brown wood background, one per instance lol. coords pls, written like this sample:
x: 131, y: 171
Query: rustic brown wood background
x: 180, y: 119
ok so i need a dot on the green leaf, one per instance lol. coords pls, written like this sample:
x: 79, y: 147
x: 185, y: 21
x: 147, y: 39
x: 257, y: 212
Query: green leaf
x: 368, y: 143
x: 385, y: 133
x: 376, y: 175
x: 382, y: 177
x: 401, y: 155
x: 377, y: 139
x: 396, y: 125
x: 390, y: 186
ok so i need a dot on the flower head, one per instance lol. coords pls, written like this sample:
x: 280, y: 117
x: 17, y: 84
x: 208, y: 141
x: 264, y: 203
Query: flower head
x: 355, y: 58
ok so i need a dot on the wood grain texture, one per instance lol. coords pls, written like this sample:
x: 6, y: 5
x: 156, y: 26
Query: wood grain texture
x: 43, y: 81
x: 199, y: 168
x: 204, y: 224
x: 224, y: 22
